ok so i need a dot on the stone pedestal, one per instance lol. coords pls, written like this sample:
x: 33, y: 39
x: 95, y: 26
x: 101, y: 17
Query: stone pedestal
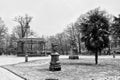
x: 26, y: 57
x: 73, y: 57
x: 55, y: 63
x: 73, y: 54
x: 114, y: 54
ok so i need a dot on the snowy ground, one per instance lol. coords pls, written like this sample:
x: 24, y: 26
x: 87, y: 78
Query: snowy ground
x: 4, y: 60
x: 108, y: 68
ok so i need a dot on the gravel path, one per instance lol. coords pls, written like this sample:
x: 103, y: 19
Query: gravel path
x: 6, y: 60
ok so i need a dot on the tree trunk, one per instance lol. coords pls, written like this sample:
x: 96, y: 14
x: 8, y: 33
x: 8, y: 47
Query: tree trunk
x: 115, y: 43
x: 109, y: 49
x: 96, y: 57
x: 22, y: 48
x: 79, y: 47
x: 23, y: 51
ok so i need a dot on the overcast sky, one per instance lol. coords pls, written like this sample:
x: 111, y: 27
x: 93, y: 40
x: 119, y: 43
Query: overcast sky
x: 52, y: 16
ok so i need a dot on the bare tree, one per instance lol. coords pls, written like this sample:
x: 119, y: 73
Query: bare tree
x: 18, y: 33
x: 73, y: 39
x: 78, y: 37
x: 3, y: 32
x: 23, y: 23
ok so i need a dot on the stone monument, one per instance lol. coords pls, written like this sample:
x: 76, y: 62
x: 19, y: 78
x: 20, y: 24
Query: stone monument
x: 74, y: 52
x: 55, y: 63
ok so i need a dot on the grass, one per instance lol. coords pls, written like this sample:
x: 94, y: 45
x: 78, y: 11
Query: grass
x: 82, y: 69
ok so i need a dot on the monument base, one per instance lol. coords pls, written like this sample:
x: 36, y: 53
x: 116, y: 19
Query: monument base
x: 73, y: 57
x: 55, y: 66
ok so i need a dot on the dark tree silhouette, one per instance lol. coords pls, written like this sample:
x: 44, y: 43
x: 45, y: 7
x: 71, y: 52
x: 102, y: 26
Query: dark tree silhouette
x: 95, y: 31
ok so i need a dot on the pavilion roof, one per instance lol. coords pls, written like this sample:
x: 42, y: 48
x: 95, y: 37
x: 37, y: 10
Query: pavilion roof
x: 32, y: 39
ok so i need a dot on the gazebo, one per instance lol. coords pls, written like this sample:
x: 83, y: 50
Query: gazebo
x: 32, y: 46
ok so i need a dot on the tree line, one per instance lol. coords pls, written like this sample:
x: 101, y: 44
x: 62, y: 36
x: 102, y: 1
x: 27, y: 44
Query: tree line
x: 92, y: 32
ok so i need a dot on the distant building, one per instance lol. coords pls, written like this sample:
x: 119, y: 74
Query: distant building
x: 32, y: 46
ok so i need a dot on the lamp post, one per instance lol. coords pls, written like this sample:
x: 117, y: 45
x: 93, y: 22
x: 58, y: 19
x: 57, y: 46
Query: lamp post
x: 24, y: 33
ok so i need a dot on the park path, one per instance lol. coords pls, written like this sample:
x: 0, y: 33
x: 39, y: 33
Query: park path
x: 6, y: 75
x: 6, y: 60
